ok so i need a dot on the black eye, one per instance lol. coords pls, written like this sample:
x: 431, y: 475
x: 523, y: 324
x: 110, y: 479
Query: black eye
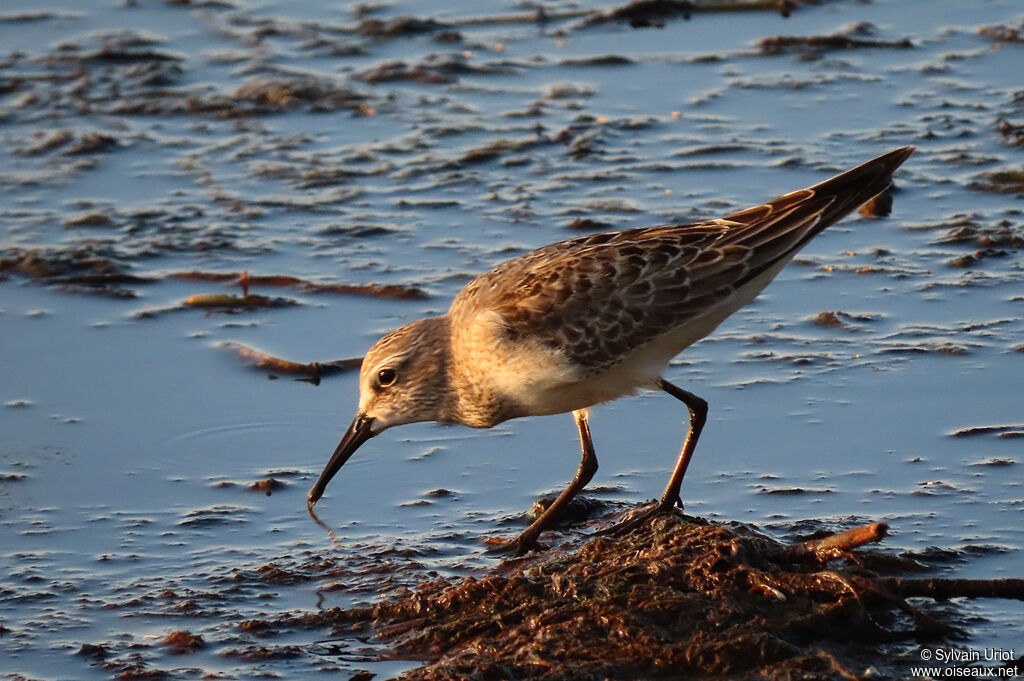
x: 386, y: 377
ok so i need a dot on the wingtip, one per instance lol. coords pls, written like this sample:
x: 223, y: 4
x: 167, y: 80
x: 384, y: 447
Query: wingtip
x: 905, y: 152
x: 898, y: 156
x: 877, y: 169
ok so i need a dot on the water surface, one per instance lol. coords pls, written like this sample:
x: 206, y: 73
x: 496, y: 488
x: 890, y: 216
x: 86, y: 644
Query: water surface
x: 148, y: 139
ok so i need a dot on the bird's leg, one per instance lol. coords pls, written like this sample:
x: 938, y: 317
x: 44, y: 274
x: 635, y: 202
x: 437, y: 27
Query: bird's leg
x: 527, y: 541
x: 670, y: 497
x: 698, y: 417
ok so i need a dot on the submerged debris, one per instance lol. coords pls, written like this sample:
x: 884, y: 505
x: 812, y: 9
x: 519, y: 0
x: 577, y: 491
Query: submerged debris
x: 829, y: 319
x: 32, y: 17
x: 392, y: 291
x: 604, y: 60
x: 781, y: 44
x: 1013, y: 134
x: 268, y: 486
x: 400, y: 26
x: 588, y: 224
x: 645, y: 13
x: 77, y: 270
x: 841, y: 320
x: 989, y: 430
x: 95, y: 651
x: 674, y: 599
x: 181, y: 642
x: 435, y: 69
x: 1000, y: 182
x: 88, y: 219
x: 220, y: 303
x: 279, y: 94
x: 43, y: 142
x: 1003, y: 34
x: 46, y: 264
x: 972, y: 259
x: 262, y: 360
x: 226, y: 301
x: 84, y: 270
x: 132, y: 666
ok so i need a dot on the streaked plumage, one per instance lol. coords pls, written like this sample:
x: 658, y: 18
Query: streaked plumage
x: 591, y: 319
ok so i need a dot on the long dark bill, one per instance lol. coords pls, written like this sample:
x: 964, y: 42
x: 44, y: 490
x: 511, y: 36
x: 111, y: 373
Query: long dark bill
x: 359, y: 432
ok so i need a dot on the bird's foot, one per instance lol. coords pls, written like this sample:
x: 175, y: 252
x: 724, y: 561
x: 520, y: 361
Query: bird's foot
x: 663, y: 507
x: 519, y: 546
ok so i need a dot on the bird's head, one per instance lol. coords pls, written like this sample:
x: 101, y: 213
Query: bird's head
x: 403, y: 379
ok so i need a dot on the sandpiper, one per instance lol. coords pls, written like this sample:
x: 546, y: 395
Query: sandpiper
x: 589, y: 320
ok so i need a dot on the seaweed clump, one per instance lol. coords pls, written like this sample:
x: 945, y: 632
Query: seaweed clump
x: 674, y: 599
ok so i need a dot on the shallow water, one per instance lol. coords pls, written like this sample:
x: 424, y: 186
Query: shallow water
x: 128, y: 441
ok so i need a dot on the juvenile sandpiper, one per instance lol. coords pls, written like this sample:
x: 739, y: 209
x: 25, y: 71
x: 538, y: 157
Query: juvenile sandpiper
x: 590, y: 320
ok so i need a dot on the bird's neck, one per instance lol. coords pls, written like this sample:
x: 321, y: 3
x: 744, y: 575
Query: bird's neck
x: 474, y: 400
